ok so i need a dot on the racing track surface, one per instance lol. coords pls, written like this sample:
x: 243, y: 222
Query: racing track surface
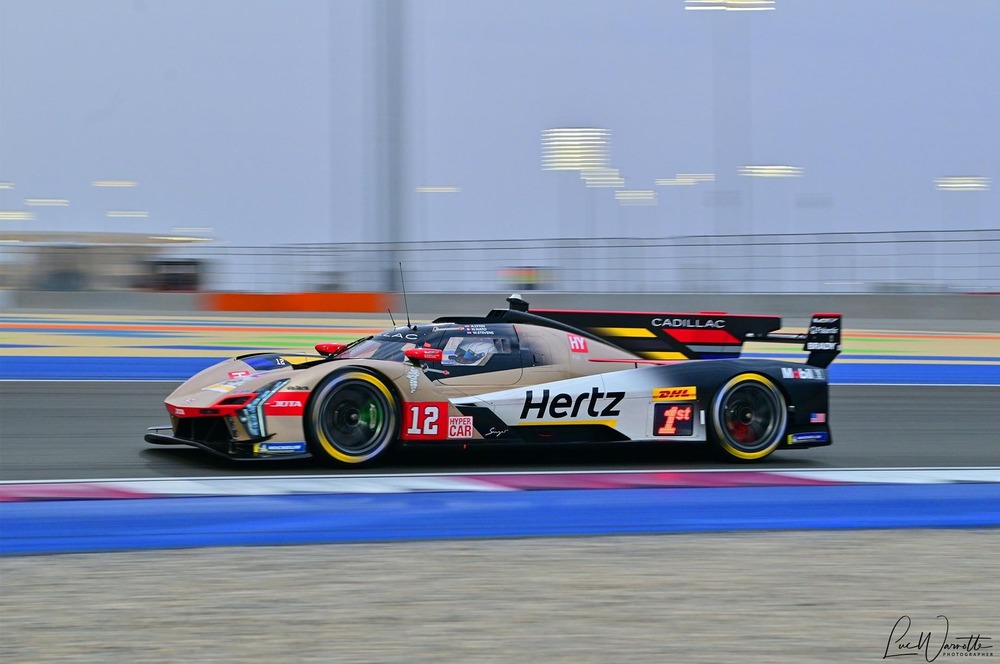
x: 88, y: 430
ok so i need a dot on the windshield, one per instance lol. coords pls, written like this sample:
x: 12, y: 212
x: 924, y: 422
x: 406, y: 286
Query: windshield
x: 376, y: 349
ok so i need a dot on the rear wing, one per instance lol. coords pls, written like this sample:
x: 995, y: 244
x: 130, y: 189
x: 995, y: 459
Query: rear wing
x: 668, y: 337
x: 822, y: 340
x: 700, y: 336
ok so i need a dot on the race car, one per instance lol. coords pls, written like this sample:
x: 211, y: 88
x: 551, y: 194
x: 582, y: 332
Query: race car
x: 517, y: 376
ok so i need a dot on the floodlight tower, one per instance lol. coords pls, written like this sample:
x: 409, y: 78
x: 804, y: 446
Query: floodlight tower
x: 583, y: 150
x: 733, y: 106
x: 389, y: 117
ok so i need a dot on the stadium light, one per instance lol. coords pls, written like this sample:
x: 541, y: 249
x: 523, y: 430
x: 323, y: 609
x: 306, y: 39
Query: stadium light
x: 636, y: 197
x: 963, y: 183
x: 114, y: 183
x: 437, y: 189
x: 730, y: 5
x: 134, y: 214
x: 603, y: 177
x: 17, y: 215
x: 46, y: 202
x: 685, y: 179
x: 771, y: 171
x: 575, y: 149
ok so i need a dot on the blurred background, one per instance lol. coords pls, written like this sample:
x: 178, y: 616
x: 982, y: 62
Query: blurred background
x: 664, y: 146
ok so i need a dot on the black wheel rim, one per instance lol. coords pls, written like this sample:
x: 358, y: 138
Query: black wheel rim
x: 750, y: 416
x: 356, y: 418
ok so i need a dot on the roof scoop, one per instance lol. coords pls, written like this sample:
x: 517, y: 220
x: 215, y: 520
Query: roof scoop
x: 516, y: 303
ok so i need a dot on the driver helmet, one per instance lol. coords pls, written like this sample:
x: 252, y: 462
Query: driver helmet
x: 471, y: 352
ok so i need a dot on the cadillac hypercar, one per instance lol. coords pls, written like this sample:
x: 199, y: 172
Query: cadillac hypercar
x: 518, y: 376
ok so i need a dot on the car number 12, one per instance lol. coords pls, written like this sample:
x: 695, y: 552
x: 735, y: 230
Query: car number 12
x: 423, y: 420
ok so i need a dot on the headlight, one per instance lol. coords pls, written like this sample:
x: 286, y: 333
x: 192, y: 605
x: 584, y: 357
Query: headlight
x: 252, y: 415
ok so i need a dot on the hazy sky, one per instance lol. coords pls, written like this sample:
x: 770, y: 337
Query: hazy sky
x: 255, y: 117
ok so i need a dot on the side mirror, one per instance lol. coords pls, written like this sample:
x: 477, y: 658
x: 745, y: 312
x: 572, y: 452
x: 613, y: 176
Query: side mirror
x: 424, y: 354
x: 329, y: 349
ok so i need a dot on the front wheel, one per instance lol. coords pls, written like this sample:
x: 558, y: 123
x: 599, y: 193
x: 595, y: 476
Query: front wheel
x: 352, y: 418
x: 749, y: 416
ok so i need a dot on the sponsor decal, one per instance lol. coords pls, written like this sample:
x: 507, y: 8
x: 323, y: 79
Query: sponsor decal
x: 460, y: 427
x: 822, y: 345
x: 694, y: 323
x: 409, y: 336
x: 279, y: 448
x: 179, y: 411
x: 283, y: 404
x: 231, y: 384
x: 478, y: 329
x: 827, y: 321
x: 495, y: 432
x: 809, y: 437
x: 816, y: 329
x: 243, y: 373
x: 817, y: 418
x: 673, y: 419
x: 425, y: 421
x: 804, y: 373
x: 588, y: 404
x: 412, y: 375
x: 687, y: 393
x: 577, y: 344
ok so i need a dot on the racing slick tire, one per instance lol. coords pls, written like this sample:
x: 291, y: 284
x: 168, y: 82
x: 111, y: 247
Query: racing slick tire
x: 352, y: 418
x: 748, y: 417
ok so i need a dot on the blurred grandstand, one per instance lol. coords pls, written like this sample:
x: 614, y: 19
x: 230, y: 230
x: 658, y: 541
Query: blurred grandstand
x: 878, y: 262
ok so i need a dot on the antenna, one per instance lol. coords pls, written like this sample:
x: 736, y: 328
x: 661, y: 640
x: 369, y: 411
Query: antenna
x: 391, y: 318
x: 406, y: 307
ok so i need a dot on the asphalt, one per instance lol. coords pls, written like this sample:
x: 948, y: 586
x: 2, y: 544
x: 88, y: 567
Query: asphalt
x: 94, y: 430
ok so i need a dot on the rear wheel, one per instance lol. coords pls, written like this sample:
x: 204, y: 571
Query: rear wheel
x: 352, y: 418
x: 749, y: 416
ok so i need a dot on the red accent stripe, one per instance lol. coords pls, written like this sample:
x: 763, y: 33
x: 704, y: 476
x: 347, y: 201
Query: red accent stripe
x: 689, y: 336
x: 286, y: 404
x: 637, y: 360
x: 643, y: 313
